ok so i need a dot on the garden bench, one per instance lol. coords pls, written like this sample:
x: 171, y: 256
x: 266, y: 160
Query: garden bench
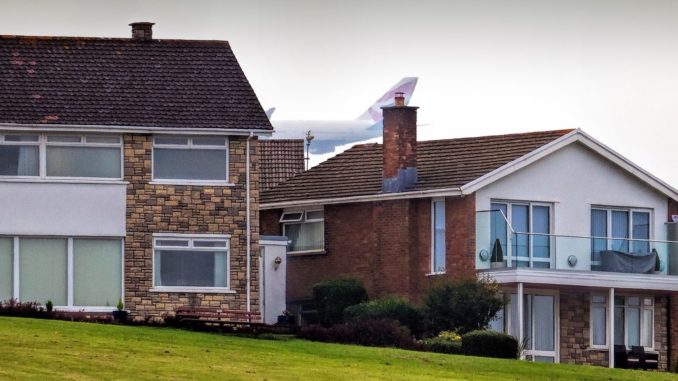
x: 204, y: 316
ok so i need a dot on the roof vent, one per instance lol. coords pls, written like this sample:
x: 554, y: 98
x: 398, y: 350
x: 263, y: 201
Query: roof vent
x: 142, y: 31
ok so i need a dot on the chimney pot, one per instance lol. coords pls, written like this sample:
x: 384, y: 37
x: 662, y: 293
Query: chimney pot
x: 399, y: 99
x: 142, y: 31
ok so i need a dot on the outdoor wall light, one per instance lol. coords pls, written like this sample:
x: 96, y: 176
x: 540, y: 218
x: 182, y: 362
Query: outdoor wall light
x: 276, y: 263
x: 484, y: 255
x: 572, y: 260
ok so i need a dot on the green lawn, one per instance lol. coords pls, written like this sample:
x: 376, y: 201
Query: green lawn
x: 49, y: 349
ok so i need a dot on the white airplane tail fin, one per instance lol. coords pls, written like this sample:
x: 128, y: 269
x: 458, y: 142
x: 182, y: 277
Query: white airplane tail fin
x: 405, y: 86
x: 269, y: 112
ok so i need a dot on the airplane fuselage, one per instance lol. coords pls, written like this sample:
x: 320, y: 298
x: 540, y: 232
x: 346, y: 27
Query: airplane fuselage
x: 328, y: 133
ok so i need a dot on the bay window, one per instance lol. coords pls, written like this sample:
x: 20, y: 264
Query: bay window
x: 305, y: 230
x: 61, y: 156
x: 185, y: 262
x: 633, y: 321
x: 190, y: 158
x: 76, y: 273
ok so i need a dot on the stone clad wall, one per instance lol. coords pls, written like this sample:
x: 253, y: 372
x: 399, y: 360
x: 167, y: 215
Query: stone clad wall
x: 155, y: 208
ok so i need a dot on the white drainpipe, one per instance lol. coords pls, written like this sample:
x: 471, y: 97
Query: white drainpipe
x: 248, y: 232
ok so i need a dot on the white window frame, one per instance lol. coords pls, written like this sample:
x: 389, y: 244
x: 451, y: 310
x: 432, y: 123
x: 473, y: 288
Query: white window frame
x: 43, y: 143
x: 432, y: 268
x: 191, y: 239
x: 556, y: 324
x: 303, y: 220
x: 190, y: 145
x: 510, y: 256
x: 70, y: 306
x: 610, y: 335
x: 608, y: 215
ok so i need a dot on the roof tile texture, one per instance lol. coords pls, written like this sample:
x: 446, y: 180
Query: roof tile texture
x: 280, y: 159
x: 448, y: 163
x: 122, y: 82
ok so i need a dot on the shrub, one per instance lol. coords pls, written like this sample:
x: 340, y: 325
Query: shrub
x: 489, y: 344
x: 389, y: 308
x: 13, y: 307
x: 462, y: 306
x: 369, y: 332
x: 441, y: 345
x: 333, y: 296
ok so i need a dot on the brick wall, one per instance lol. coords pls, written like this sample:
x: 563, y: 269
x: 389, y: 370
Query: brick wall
x: 387, y: 245
x: 575, y: 331
x: 154, y: 208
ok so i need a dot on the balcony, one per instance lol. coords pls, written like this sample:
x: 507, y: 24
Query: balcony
x: 501, y: 248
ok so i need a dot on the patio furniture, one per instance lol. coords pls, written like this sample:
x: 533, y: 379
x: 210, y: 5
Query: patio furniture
x: 621, y: 357
x: 205, y: 316
x: 645, y: 360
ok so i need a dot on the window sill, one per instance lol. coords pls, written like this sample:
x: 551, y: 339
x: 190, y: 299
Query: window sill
x: 201, y: 290
x: 85, y: 309
x: 73, y: 180
x: 305, y: 253
x: 196, y: 182
x: 436, y: 274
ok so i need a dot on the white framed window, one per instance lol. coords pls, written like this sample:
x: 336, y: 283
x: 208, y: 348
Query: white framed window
x: 73, y: 273
x: 184, y: 262
x: 201, y: 159
x: 530, y: 244
x: 305, y: 229
x: 83, y: 156
x: 633, y: 321
x: 627, y: 230
x: 66, y: 156
x: 20, y: 155
x: 438, y: 236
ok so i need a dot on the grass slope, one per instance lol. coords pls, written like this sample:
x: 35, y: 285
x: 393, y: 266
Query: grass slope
x: 56, y: 350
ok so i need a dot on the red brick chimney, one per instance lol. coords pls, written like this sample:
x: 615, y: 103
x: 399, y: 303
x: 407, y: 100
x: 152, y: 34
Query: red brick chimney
x: 142, y: 31
x: 400, y: 146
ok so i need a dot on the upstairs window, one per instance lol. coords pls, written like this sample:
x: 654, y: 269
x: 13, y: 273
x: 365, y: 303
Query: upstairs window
x: 84, y: 156
x: 61, y: 156
x: 190, y: 158
x: 19, y: 155
x: 625, y: 230
x: 305, y: 230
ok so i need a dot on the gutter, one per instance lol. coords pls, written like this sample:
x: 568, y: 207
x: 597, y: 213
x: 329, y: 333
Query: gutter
x: 133, y: 129
x: 444, y: 192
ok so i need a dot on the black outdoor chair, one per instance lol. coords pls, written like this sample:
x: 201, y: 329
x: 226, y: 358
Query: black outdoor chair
x: 621, y: 357
x: 645, y: 360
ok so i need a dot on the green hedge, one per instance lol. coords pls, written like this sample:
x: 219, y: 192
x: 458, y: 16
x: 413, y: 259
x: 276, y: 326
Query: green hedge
x: 441, y: 345
x: 487, y: 343
x: 333, y: 296
x: 392, y: 308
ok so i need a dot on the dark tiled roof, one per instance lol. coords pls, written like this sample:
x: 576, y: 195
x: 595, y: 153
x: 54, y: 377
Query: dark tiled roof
x: 116, y: 81
x: 279, y: 160
x: 446, y: 163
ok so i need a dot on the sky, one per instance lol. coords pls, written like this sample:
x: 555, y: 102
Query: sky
x: 484, y: 67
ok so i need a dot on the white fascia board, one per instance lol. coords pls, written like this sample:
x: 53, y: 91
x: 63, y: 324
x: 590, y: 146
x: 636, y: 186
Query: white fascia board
x: 132, y: 129
x: 575, y: 136
x: 448, y: 192
x: 571, y: 278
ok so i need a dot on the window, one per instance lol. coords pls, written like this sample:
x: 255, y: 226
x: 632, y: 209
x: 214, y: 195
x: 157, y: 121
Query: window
x: 438, y: 233
x: 61, y: 156
x: 71, y: 272
x: 19, y: 155
x: 84, y: 156
x: 633, y: 320
x: 185, y: 262
x: 619, y: 229
x: 530, y: 244
x: 188, y: 158
x: 305, y: 230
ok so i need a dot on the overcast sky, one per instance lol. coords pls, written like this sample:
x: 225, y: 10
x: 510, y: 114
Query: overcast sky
x: 485, y: 67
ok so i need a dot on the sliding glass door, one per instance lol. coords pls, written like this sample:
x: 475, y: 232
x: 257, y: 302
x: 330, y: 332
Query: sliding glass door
x: 539, y: 326
x: 530, y: 243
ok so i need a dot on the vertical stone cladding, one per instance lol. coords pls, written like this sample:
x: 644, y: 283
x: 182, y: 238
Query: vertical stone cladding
x: 575, y: 331
x: 189, y: 209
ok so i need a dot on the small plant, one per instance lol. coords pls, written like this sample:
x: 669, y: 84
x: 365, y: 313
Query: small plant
x: 393, y: 308
x: 120, y: 306
x: 49, y: 306
x: 333, y: 296
x: 120, y: 315
x: 488, y: 343
x: 448, y: 342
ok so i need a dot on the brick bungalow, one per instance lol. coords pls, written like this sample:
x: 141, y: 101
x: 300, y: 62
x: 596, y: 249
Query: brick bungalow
x: 560, y: 204
x: 128, y: 170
